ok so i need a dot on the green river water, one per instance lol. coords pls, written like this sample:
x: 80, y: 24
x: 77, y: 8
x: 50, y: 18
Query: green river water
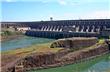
x: 99, y: 64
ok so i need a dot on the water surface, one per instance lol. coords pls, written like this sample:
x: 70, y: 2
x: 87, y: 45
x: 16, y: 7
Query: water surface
x: 23, y: 42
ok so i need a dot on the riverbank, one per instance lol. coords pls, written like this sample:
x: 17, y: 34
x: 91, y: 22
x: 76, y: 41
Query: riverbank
x: 93, y: 65
x: 64, y: 58
x: 10, y: 57
x: 42, y: 56
x: 23, y: 42
x: 6, y: 38
x: 10, y: 35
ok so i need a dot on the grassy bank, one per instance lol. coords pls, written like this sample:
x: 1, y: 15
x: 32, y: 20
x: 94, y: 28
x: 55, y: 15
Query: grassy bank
x: 30, y: 49
x: 8, y: 35
x: 10, y: 56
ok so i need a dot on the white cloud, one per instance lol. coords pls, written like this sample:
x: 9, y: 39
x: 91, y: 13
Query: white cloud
x: 9, y: 0
x: 62, y: 2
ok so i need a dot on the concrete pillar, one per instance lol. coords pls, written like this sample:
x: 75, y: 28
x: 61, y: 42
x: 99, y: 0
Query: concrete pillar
x: 60, y: 29
x: 77, y: 29
x: 42, y: 28
x: 50, y: 28
x: 93, y: 27
x: 82, y: 30
x: 47, y: 28
x: 54, y: 28
x: 73, y: 26
x: 87, y: 30
x: 104, y: 27
x: 57, y: 28
x: 98, y: 29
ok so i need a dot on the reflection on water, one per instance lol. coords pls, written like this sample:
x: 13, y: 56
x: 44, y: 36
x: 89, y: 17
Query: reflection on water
x: 100, y: 64
x: 22, y: 42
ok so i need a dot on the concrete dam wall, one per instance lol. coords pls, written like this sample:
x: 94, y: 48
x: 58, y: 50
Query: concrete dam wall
x: 65, y: 28
x: 58, y: 35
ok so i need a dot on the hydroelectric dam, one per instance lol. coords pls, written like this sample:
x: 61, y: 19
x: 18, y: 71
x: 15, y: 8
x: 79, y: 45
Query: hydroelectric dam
x: 64, y: 28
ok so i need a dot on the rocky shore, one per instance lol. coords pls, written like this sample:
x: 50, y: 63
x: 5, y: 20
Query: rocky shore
x: 41, y: 60
x: 62, y: 58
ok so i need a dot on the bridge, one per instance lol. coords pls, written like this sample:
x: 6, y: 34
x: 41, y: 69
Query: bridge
x: 65, y: 28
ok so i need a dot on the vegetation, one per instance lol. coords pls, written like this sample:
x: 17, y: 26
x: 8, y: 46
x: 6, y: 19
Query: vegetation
x: 101, y: 41
x: 34, y: 48
x: 11, y: 56
x: 8, y: 33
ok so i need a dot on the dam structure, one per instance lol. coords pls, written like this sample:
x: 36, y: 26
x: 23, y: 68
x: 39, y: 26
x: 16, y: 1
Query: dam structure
x: 65, y: 28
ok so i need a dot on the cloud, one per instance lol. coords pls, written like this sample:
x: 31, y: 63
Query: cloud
x: 10, y: 0
x: 62, y: 2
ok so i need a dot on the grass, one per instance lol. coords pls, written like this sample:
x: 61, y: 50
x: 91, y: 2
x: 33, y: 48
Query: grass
x: 101, y: 41
x: 10, y: 33
x: 30, y: 49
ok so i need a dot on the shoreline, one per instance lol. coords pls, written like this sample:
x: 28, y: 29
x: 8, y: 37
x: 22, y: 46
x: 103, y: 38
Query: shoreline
x: 61, y: 58
x: 61, y: 65
x: 11, y: 37
x: 55, y: 59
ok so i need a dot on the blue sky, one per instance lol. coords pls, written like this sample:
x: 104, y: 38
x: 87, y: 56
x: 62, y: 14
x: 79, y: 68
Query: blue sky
x: 37, y: 10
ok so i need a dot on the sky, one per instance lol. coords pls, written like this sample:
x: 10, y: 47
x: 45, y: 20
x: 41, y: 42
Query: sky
x: 37, y: 10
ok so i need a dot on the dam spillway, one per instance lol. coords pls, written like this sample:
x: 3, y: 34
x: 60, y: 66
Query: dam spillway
x: 65, y: 28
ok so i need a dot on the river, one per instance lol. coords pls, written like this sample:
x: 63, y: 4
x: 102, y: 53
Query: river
x: 22, y: 42
x: 100, y: 64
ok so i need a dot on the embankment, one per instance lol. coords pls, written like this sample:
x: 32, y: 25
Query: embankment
x: 75, y: 42
x: 48, y: 60
x: 41, y: 60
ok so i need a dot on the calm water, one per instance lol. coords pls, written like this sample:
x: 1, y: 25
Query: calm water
x: 22, y: 42
x: 100, y: 64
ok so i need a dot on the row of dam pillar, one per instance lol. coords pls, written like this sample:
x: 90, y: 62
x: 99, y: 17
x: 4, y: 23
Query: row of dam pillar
x: 57, y: 35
